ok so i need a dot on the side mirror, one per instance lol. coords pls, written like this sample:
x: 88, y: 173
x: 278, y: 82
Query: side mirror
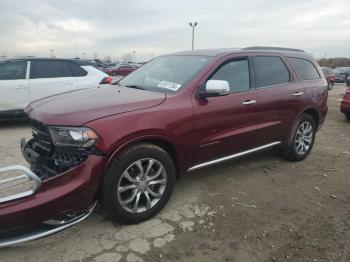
x: 215, y: 88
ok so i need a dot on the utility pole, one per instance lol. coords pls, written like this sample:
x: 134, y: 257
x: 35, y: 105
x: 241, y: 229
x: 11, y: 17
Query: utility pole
x: 193, y: 25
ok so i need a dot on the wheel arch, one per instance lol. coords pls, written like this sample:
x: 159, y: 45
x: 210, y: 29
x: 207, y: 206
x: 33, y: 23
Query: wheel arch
x: 163, y: 142
x: 310, y: 111
x: 314, y: 113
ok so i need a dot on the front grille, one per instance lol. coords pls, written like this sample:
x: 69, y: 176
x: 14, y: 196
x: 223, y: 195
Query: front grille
x: 42, y: 142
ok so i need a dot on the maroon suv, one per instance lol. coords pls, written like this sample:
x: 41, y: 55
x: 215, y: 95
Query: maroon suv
x: 127, y: 144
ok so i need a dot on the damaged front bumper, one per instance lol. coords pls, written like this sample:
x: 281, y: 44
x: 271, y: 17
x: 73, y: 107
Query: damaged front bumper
x: 66, y: 199
x: 44, y: 229
x: 49, y: 197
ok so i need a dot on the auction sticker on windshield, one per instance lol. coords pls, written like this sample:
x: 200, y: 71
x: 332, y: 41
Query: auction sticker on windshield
x: 169, y: 85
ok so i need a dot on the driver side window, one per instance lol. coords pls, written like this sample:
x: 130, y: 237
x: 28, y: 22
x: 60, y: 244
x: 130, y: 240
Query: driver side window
x: 236, y: 73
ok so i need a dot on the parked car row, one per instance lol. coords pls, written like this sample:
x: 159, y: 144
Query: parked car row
x: 342, y: 74
x: 338, y: 75
x: 25, y: 80
x: 330, y: 76
x: 126, y: 144
x: 345, y: 103
x: 121, y: 69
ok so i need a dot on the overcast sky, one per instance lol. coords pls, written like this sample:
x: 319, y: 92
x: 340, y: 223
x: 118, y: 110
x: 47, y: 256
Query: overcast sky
x: 114, y: 27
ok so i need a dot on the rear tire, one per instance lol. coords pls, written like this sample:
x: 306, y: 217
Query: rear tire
x: 302, y: 140
x: 114, y: 73
x: 139, y: 183
x: 330, y: 85
x: 347, y: 115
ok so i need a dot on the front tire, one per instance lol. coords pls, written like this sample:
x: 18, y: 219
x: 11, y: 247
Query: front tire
x: 302, y: 140
x: 139, y: 183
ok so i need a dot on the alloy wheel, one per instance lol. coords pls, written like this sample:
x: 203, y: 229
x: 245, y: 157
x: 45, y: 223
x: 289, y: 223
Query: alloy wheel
x: 142, y: 185
x: 304, y: 138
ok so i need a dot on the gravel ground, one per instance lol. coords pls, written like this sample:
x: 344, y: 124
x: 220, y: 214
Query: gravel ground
x: 261, y: 208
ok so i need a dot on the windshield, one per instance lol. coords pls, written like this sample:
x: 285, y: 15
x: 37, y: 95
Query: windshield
x: 167, y: 74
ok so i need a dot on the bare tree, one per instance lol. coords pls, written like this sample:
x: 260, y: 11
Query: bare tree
x: 334, y: 62
x: 108, y: 59
x: 127, y: 57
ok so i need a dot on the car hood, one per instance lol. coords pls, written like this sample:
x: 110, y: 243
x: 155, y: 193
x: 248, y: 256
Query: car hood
x: 79, y: 107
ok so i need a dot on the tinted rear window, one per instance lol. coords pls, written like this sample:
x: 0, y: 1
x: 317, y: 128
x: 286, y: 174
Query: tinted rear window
x: 270, y: 71
x: 50, y: 69
x: 76, y: 70
x: 305, y: 69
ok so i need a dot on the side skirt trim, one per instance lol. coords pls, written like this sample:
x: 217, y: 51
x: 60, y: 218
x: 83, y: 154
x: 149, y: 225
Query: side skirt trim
x: 219, y: 160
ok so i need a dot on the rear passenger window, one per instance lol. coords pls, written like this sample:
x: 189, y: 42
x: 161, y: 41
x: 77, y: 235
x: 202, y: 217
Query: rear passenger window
x: 236, y: 73
x: 270, y: 71
x: 305, y: 69
x: 13, y: 70
x: 77, y: 70
x: 50, y: 69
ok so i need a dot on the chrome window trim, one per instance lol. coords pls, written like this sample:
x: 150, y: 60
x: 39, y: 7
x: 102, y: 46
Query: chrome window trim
x: 272, y: 86
x: 28, y: 173
x: 222, y: 159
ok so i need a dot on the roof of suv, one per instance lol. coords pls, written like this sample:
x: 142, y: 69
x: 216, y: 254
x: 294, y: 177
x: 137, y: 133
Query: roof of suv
x: 255, y: 49
x: 80, y: 62
x: 41, y: 58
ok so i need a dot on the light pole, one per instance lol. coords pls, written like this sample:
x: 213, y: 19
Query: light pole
x: 193, y: 25
x: 134, y: 56
x: 51, y: 53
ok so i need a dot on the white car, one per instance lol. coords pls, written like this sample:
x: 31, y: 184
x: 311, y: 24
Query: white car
x: 25, y: 80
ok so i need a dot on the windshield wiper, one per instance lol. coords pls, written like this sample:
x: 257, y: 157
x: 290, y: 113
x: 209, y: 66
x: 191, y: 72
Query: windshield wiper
x: 136, y: 87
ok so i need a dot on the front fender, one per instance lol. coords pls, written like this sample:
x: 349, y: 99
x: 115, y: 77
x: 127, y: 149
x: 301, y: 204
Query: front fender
x: 146, y: 138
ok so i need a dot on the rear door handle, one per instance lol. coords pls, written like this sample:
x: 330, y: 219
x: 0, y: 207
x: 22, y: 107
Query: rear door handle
x: 68, y: 83
x: 298, y: 93
x: 249, y: 102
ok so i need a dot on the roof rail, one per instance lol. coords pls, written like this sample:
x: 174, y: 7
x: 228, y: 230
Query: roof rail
x: 273, y: 48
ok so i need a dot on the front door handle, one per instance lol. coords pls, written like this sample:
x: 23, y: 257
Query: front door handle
x: 298, y: 93
x: 21, y: 87
x: 249, y: 102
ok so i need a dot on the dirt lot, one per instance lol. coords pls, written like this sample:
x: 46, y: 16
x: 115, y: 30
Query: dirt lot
x: 261, y: 208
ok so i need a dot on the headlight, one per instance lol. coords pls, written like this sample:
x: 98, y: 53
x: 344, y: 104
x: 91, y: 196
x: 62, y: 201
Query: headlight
x: 73, y: 136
